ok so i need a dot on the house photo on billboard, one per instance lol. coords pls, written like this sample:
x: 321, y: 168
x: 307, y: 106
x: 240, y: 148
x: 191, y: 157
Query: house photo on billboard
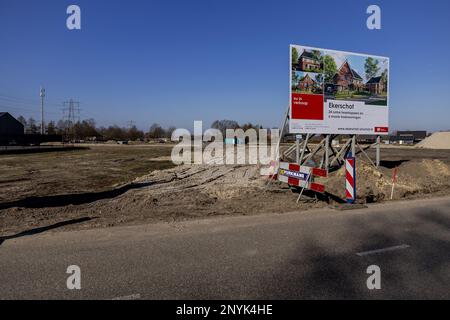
x: 358, y: 78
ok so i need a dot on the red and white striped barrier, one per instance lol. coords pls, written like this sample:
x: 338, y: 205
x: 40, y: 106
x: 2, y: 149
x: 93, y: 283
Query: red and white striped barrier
x: 301, y: 176
x: 350, y: 179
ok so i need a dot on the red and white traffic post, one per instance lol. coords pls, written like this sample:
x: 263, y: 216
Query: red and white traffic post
x: 350, y: 179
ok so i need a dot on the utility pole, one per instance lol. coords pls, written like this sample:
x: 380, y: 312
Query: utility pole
x: 42, y: 95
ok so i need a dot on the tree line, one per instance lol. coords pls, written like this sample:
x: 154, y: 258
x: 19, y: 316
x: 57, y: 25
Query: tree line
x: 88, y: 130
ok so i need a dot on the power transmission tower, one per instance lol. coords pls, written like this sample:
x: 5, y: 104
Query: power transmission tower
x: 71, y: 115
x: 130, y: 124
x: 42, y: 95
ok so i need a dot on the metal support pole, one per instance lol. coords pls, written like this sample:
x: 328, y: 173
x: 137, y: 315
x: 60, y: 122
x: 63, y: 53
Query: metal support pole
x: 308, y: 180
x: 378, y: 151
x: 305, y: 145
x: 327, y: 152
x: 342, y: 153
x: 354, y: 146
x: 277, y: 150
x: 297, y: 150
x: 285, y: 120
x: 42, y: 95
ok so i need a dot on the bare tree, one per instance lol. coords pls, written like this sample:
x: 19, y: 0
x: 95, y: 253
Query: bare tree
x: 156, y: 132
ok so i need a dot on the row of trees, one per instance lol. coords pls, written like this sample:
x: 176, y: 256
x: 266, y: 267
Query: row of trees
x: 223, y: 125
x: 87, y: 129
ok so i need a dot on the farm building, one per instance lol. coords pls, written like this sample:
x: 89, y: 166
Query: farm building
x: 9, y: 125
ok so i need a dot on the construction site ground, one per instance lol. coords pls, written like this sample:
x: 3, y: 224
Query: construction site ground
x: 109, y: 185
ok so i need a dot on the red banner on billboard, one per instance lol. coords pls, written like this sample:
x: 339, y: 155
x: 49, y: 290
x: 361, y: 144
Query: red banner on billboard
x: 307, y: 106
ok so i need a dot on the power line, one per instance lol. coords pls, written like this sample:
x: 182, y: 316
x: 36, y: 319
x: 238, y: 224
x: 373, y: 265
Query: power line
x: 28, y: 110
x: 71, y: 115
x: 26, y: 101
x: 26, y: 104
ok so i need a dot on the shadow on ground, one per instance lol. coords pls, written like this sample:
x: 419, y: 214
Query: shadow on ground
x: 390, y: 164
x: 35, y: 231
x: 71, y: 199
x: 42, y: 149
x: 327, y: 272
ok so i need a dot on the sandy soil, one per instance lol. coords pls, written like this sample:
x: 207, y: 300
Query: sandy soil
x: 202, y: 191
x: 438, y: 140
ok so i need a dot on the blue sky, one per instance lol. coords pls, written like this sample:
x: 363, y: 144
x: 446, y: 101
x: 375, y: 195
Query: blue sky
x: 174, y: 62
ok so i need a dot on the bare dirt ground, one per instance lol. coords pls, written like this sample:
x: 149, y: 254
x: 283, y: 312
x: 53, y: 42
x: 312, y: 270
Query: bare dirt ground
x: 111, y: 185
x: 96, y: 168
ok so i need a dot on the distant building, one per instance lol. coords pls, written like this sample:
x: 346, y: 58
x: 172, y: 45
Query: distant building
x: 405, y: 139
x: 366, y: 139
x: 10, y: 125
x: 235, y: 140
x: 417, y: 135
x: 408, y: 137
x: 12, y: 133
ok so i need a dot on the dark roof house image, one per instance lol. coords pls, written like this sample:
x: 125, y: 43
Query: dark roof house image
x: 308, y: 61
x: 306, y: 83
x: 376, y: 85
x: 347, y: 79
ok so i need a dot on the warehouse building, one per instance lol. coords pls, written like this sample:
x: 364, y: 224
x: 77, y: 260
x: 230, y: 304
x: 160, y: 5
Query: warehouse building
x: 9, y: 125
x: 408, y: 137
x: 417, y: 135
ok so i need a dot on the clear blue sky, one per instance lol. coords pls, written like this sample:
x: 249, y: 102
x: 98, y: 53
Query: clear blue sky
x: 174, y: 62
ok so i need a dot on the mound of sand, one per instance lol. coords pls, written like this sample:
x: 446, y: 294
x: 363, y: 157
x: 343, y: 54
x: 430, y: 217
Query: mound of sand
x: 438, y: 140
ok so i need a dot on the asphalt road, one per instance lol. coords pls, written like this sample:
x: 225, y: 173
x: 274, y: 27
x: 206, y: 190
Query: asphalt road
x: 303, y: 255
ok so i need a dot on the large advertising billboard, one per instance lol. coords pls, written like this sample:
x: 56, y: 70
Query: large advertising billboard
x: 336, y: 92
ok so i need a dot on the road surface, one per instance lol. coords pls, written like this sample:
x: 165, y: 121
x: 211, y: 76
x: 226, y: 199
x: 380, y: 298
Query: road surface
x: 319, y: 254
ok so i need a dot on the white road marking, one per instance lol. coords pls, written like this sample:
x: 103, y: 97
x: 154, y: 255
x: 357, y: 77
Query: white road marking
x: 130, y: 297
x: 366, y: 253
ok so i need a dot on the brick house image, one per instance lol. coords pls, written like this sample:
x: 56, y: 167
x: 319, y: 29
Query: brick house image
x: 376, y: 85
x: 307, y: 84
x: 347, y: 79
x: 308, y: 62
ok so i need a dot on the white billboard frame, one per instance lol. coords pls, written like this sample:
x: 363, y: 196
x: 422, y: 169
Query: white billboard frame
x: 333, y: 126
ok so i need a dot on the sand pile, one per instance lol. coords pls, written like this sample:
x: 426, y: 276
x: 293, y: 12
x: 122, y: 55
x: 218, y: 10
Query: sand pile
x: 438, y: 140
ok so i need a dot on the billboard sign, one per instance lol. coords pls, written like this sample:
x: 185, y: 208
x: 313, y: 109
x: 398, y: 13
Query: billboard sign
x: 336, y: 92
